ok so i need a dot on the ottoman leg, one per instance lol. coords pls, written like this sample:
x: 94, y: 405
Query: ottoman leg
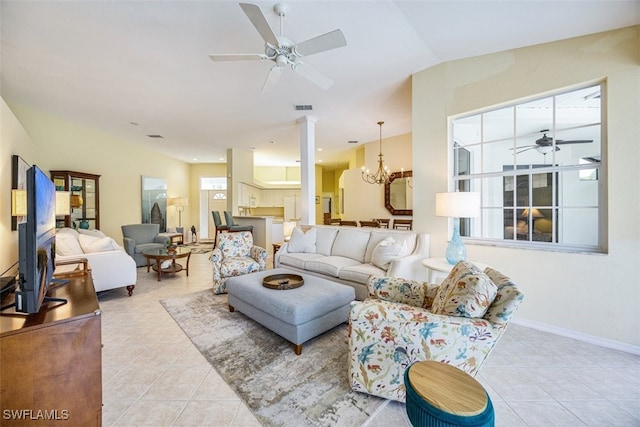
x: 298, y: 349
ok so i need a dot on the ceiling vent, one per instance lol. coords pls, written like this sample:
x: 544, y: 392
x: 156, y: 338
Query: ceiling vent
x: 304, y: 107
x: 155, y: 136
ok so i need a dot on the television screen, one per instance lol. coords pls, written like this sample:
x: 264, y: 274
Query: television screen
x: 36, y: 242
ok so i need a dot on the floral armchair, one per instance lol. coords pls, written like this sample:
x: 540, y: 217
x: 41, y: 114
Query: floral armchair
x: 402, y: 322
x: 235, y: 255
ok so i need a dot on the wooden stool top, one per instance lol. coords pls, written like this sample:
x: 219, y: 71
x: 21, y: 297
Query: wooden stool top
x: 448, y: 388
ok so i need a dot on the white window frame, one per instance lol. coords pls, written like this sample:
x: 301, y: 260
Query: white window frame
x: 483, y: 230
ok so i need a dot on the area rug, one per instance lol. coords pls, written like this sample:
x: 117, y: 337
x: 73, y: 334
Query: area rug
x: 280, y: 388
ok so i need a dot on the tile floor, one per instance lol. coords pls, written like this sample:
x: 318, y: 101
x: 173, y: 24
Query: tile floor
x: 153, y: 375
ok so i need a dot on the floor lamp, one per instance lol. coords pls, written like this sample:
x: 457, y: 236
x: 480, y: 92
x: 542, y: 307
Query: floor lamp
x: 457, y: 205
x: 179, y: 203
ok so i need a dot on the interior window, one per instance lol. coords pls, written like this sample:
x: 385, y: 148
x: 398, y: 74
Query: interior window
x: 538, y: 165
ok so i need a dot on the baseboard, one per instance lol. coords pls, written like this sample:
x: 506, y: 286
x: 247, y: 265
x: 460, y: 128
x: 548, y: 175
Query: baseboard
x: 580, y: 336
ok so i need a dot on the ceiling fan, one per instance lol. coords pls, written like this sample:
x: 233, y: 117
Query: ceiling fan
x: 544, y: 144
x: 284, y: 51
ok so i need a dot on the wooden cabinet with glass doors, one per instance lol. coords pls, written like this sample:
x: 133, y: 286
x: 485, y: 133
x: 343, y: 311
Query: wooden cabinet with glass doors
x: 85, y: 198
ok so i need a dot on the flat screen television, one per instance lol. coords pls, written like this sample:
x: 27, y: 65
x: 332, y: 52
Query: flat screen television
x: 36, y: 243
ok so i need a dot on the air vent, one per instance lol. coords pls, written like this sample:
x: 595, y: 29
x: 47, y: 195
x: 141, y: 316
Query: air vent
x: 155, y: 136
x: 304, y: 107
x: 352, y: 142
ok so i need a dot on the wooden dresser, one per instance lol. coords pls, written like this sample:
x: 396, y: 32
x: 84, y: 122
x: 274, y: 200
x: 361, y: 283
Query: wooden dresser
x: 51, y: 361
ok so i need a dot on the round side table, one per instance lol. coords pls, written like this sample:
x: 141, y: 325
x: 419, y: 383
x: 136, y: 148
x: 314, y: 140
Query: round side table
x: 441, y: 395
x: 440, y: 267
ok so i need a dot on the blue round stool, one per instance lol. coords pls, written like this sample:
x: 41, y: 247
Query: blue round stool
x: 441, y: 395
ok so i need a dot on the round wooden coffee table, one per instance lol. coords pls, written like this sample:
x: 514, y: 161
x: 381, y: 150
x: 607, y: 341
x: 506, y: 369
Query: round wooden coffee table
x: 439, y: 394
x: 161, y: 255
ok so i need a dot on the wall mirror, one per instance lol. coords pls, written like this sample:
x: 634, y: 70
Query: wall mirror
x: 398, y: 193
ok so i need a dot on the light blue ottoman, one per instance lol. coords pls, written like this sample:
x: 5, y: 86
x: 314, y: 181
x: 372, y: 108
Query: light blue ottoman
x: 295, y: 314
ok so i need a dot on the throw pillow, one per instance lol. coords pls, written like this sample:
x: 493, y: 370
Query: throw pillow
x: 67, y: 244
x: 92, y: 244
x: 467, y: 292
x: 388, y: 249
x: 302, y: 242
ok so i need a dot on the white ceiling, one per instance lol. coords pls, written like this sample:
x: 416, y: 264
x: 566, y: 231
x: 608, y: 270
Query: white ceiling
x: 106, y: 64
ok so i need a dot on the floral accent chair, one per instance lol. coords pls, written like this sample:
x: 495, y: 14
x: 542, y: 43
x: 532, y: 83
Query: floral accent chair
x: 403, y: 321
x: 235, y: 255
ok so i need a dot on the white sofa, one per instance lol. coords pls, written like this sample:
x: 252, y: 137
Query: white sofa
x: 350, y: 255
x: 111, y: 267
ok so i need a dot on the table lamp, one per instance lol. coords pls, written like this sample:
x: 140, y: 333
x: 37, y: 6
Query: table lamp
x: 457, y: 205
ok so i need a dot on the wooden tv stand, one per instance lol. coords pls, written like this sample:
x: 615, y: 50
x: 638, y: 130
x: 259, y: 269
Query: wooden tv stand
x: 51, y: 361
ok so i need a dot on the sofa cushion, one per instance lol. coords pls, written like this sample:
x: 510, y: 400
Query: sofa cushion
x: 329, y: 265
x: 298, y: 259
x: 301, y: 241
x: 398, y: 235
x: 360, y: 273
x: 387, y: 250
x: 351, y: 243
x: 324, y: 240
x: 67, y: 243
x: 94, y: 232
x: 466, y: 292
x: 92, y: 244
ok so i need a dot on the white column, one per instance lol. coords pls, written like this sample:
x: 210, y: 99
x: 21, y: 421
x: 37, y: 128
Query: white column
x: 307, y: 168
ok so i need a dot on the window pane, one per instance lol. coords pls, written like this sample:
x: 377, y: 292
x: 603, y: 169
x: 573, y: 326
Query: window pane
x: 493, y: 224
x: 532, y: 118
x: 492, y: 192
x: 575, y: 144
x: 498, y: 124
x: 496, y: 155
x: 578, y: 107
x: 577, y: 192
x: 579, y: 226
x: 467, y: 130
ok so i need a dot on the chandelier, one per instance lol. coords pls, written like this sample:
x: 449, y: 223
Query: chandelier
x: 382, y: 175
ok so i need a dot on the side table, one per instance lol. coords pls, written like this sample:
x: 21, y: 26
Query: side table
x: 439, y: 394
x: 440, y: 267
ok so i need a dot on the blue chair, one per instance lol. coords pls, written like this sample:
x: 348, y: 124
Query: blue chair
x: 220, y: 228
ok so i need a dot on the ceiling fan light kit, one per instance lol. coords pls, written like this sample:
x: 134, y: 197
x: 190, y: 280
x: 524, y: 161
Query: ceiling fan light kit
x: 284, y: 51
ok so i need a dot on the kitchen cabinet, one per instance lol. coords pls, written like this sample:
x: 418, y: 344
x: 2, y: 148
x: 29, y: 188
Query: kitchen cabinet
x: 292, y: 208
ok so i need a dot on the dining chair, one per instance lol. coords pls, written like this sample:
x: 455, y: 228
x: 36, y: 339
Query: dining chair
x: 402, y: 224
x: 384, y: 222
x: 375, y: 224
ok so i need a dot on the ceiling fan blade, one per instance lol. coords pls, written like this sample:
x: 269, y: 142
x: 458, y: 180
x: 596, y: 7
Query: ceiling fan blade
x: 272, y: 78
x: 523, y: 149
x: 328, y: 41
x: 237, y: 57
x: 523, y: 146
x: 575, y: 141
x: 312, y: 74
x: 259, y: 21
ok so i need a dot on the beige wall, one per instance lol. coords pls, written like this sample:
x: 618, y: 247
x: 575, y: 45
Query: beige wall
x: 592, y: 296
x: 63, y: 145
x: 364, y: 201
x: 13, y: 140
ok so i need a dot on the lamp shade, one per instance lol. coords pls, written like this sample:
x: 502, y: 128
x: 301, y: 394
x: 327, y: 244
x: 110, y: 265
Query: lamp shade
x: 458, y: 204
x: 178, y: 201
x: 63, y: 203
x: 18, y: 202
